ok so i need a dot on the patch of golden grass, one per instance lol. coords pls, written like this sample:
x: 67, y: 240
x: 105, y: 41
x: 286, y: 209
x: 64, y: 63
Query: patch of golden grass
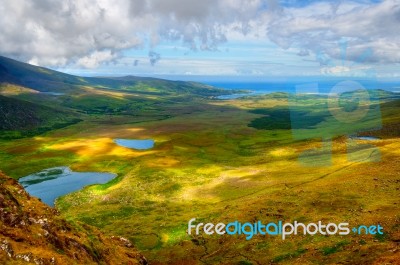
x: 14, y: 90
x: 246, y: 104
x: 283, y: 152
x: 87, y: 148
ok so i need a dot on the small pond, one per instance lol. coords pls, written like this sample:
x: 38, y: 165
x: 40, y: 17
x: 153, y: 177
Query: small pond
x: 53, y: 93
x: 49, y: 184
x: 235, y: 96
x: 367, y: 138
x: 135, y: 144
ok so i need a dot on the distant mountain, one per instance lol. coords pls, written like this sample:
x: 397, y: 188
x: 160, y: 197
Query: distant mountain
x: 47, y: 80
x: 38, y: 78
x: 32, y: 232
x: 35, y: 99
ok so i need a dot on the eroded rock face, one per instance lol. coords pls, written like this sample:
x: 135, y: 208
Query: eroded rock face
x: 32, y: 232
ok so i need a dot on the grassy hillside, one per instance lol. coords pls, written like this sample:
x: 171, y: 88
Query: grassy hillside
x: 47, y: 80
x: 20, y: 118
x: 38, y: 78
x: 32, y: 232
x: 36, y: 99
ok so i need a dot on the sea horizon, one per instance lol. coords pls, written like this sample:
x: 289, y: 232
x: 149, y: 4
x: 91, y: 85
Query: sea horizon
x: 324, y: 86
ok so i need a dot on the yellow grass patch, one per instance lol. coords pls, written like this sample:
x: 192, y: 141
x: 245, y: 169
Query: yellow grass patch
x: 14, y: 90
x: 87, y: 148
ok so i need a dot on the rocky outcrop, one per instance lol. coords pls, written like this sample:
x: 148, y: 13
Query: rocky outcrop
x: 31, y: 232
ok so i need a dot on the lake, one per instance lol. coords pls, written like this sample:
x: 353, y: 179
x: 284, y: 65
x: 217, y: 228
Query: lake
x: 367, y: 138
x: 53, y: 93
x: 324, y: 85
x: 135, y: 144
x: 49, y: 184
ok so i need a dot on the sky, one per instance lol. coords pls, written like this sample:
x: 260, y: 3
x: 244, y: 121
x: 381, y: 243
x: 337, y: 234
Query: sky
x: 191, y: 38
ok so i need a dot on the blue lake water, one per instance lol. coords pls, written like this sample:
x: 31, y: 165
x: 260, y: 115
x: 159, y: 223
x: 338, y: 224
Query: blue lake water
x: 368, y: 138
x: 135, y: 144
x: 292, y: 86
x: 53, y: 93
x: 52, y: 183
x: 233, y: 96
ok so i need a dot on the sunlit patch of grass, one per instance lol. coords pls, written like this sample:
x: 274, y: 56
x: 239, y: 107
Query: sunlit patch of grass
x: 174, y: 235
x: 283, y: 152
x: 116, y: 94
x: 14, y: 90
x: 99, y: 146
x: 163, y: 162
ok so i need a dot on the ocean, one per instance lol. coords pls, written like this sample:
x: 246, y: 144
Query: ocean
x: 312, y: 86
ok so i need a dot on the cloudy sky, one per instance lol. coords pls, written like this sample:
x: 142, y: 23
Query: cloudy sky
x: 262, y: 38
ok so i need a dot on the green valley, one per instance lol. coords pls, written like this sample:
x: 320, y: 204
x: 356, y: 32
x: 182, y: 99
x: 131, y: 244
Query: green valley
x: 213, y: 160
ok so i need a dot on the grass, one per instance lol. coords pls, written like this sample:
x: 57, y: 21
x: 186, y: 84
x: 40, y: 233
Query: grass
x: 20, y: 118
x: 291, y: 255
x: 335, y: 248
x: 209, y: 164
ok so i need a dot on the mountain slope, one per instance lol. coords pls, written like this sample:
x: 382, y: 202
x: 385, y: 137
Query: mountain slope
x: 20, y: 118
x: 31, y: 232
x: 46, y: 80
x: 38, y: 78
x: 39, y: 99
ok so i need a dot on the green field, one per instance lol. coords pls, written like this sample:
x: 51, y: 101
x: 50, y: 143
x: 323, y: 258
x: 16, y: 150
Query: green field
x: 209, y: 164
x: 219, y: 161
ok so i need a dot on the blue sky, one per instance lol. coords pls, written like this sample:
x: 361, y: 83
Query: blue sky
x: 261, y: 58
x: 232, y: 38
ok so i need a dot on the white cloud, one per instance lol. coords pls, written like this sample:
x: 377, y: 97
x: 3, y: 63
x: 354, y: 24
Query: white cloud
x: 59, y: 32
x: 96, y: 58
x: 90, y: 33
x: 335, y: 70
x: 321, y: 27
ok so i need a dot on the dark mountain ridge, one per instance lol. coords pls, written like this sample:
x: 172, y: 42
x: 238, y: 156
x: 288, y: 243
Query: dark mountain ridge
x: 47, y: 80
